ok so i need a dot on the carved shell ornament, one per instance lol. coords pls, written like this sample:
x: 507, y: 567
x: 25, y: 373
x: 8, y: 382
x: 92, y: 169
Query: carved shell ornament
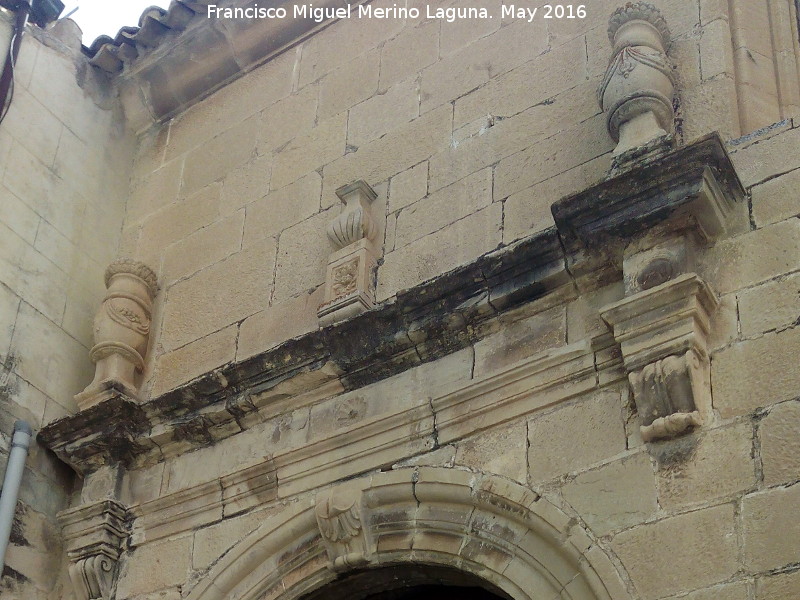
x: 338, y: 516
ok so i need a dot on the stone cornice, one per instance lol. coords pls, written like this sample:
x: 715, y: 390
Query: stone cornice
x: 694, y: 187
x: 180, y: 56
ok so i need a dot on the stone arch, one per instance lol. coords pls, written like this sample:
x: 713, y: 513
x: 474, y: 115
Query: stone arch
x: 484, y: 525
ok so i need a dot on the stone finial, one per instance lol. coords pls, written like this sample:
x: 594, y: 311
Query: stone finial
x: 355, y: 222
x: 121, y: 330
x: 636, y: 92
x: 350, y: 286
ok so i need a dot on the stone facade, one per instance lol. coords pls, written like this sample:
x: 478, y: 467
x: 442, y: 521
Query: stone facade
x: 417, y: 306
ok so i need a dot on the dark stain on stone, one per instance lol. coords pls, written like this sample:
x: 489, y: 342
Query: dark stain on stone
x: 673, y: 454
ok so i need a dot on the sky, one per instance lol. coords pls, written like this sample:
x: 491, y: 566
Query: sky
x: 99, y: 17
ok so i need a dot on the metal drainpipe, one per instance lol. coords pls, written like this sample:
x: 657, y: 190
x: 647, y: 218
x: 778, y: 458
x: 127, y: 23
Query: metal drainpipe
x: 20, y: 443
x: 21, y: 13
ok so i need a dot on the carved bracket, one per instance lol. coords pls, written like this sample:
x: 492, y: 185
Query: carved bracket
x: 350, y: 286
x: 94, y: 535
x: 340, y: 513
x: 663, y: 332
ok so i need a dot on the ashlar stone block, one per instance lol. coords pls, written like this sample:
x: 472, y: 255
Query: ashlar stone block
x: 771, y: 529
x: 780, y: 443
x: 680, y: 553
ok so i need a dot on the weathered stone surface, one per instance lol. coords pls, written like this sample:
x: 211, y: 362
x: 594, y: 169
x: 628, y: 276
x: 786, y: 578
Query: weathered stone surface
x: 287, y: 119
x: 518, y: 339
x: 409, y: 186
x: 680, y: 553
x: 474, y: 65
x: 780, y: 445
x: 705, y: 467
x: 154, y: 566
x: 757, y: 162
x: 409, y: 52
x: 217, y: 157
x: 195, y: 359
x: 616, y: 496
x: 310, y: 151
x: 731, y: 591
x: 349, y: 84
x: 576, y: 436
x: 303, y: 251
x: 245, y: 184
x: 441, y: 251
x: 444, y: 207
x: 776, y: 199
x: 773, y: 305
x: 502, y: 450
x: 241, y: 287
x: 211, y: 542
x: 177, y: 220
x: 409, y: 144
x: 528, y: 211
x: 383, y: 113
x: 740, y: 262
x: 756, y: 373
x: 203, y: 248
x: 785, y: 586
x: 771, y: 535
x: 278, y: 210
x: 278, y: 323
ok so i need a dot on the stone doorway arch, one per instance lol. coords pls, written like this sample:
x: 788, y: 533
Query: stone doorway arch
x: 483, y: 526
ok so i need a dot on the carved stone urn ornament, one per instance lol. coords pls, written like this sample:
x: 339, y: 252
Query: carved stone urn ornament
x: 121, y: 330
x: 636, y: 92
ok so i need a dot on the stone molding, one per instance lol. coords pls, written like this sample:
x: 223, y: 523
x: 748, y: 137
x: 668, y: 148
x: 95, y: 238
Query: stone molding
x: 454, y: 411
x: 692, y: 190
x: 94, y: 535
x: 496, y: 529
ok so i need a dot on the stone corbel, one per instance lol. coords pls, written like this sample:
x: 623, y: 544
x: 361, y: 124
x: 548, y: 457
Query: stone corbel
x: 350, y: 285
x: 94, y: 535
x: 662, y: 331
x: 340, y: 517
x: 121, y: 331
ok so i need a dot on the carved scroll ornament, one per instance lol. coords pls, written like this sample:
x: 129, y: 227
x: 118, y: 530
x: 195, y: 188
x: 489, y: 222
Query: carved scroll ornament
x: 94, y: 534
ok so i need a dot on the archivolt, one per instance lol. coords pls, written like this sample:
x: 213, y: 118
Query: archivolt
x: 494, y: 529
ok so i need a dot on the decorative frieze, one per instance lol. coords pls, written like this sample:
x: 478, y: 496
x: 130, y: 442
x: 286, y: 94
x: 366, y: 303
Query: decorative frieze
x: 121, y: 331
x: 636, y: 92
x: 350, y: 285
x: 94, y: 535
